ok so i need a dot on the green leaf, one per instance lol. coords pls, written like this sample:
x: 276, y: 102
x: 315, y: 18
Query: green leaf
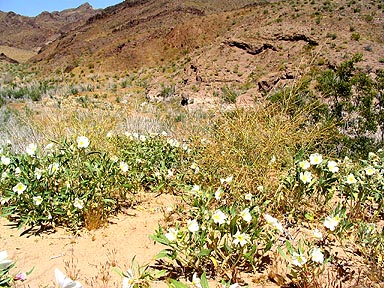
x: 30, y: 271
x: 282, y: 253
x: 177, y: 284
x: 160, y: 274
x: 118, y: 271
x: 204, y: 252
x: 166, y: 253
x: 161, y: 239
x: 204, y: 281
x: 289, y: 247
x: 232, y: 225
x: 309, y: 216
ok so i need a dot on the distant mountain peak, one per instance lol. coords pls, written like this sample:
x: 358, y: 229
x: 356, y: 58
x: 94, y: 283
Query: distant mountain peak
x: 86, y: 5
x: 33, y: 32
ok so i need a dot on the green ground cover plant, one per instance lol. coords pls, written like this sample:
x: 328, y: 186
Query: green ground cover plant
x: 69, y: 183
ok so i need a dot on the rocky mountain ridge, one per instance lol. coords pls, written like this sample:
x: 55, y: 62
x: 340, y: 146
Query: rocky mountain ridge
x: 32, y: 33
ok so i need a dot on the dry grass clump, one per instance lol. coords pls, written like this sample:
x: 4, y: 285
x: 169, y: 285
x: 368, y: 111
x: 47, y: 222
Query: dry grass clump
x: 51, y: 124
x: 16, y: 130
x: 256, y: 145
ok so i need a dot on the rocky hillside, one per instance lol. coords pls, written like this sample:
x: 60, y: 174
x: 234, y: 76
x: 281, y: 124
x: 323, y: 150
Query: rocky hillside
x: 204, y: 48
x: 31, y: 33
x: 261, y: 36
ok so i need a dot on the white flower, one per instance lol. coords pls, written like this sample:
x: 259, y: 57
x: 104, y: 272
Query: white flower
x: 193, y: 226
x: 37, y: 200
x: 196, y: 281
x: 240, y: 238
x: 195, y: 167
x: 274, y: 223
x: 49, y: 147
x: 204, y: 141
x: 306, y: 177
x: 351, y: 179
x: 196, y: 189
x: 235, y: 285
x: 227, y: 180
x: 128, y: 280
x: 4, y: 262
x: 143, y: 138
x: 123, y: 167
x: 317, y: 234
x: 3, y: 200
x: 372, y: 155
x: 248, y: 196
x: 170, y: 173
x: 273, y: 160
x: 114, y: 158
x: 298, y: 259
x: 219, y: 217
x: 331, y: 222
x: 17, y: 171
x: 173, y: 143
x: 370, y: 228
x: 171, y: 235
x: 304, y: 164
x: 109, y: 134
x: 219, y: 193
x: 82, y: 142
x: 185, y: 147
x: 78, y: 203
x: 5, y: 160
x: 38, y: 173
x: 247, y: 217
x: 4, y: 175
x: 19, y: 188
x: 53, y: 168
x: 317, y: 255
x: 315, y: 159
x: 31, y: 149
x: 164, y: 134
x: 332, y: 166
x: 370, y: 171
x: 65, y: 282
x: 260, y: 188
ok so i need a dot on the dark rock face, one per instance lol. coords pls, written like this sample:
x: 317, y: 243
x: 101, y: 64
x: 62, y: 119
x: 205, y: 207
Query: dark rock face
x: 297, y: 37
x: 250, y: 48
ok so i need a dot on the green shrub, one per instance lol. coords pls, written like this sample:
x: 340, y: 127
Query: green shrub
x: 355, y: 36
x: 167, y: 91
x: 355, y: 102
x: 64, y: 184
x: 229, y: 95
x: 217, y: 234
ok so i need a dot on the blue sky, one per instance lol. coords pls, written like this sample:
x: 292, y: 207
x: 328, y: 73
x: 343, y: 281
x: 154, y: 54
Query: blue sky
x: 35, y: 7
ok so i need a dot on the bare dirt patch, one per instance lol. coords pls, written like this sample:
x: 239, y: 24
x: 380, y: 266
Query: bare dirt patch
x: 90, y: 253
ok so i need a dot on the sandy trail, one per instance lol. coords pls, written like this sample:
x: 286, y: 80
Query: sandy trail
x: 91, y: 253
